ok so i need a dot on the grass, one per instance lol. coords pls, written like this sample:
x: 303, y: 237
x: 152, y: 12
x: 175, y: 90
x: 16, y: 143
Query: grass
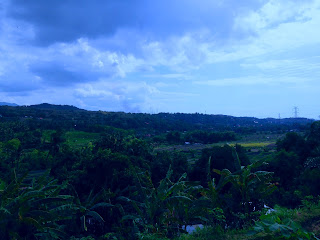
x: 78, y: 139
x: 309, y: 215
x: 254, y: 141
x: 207, y: 233
x: 46, y: 135
x: 261, y: 137
x: 257, y: 149
x: 254, y: 144
x: 75, y: 139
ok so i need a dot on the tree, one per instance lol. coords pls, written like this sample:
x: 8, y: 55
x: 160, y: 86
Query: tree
x: 221, y: 158
x: 57, y: 138
x: 10, y: 156
x: 173, y: 137
x: 313, y: 138
x: 293, y: 142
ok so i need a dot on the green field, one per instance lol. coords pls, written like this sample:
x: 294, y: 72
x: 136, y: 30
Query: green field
x: 257, y: 145
x: 196, y: 147
x: 254, y: 141
x: 254, y: 144
x: 46, y: 135
x: 80, y: 139
x: 75, y: 139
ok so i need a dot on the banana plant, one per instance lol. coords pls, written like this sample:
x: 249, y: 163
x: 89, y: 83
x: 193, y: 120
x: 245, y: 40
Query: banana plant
x: 35, y: 210
x: 156, y: 208
x: 88, y: 209
x: 246, y: 181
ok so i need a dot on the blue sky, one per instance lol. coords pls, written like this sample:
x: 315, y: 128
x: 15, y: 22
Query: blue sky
x: 243, y: 58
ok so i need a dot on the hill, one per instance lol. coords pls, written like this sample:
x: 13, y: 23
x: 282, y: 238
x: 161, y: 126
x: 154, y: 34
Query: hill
x: 67, y: 117
x: 8, y: 104
x: 47, y: 106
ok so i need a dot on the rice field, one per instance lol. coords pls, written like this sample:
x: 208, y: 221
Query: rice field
x: 254, y: 144
x: 80, y: 139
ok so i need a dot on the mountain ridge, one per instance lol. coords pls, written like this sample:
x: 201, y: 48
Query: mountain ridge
x: 54, y: 107
x: 8, y: 104
x: 66, y: 116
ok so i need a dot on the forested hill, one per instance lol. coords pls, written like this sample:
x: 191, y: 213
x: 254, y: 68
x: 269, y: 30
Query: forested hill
x: 47, y: 106
x: 8, y: 104
x: 68, y: 117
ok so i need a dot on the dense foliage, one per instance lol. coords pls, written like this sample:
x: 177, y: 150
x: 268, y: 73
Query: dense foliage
x: 118, y: 187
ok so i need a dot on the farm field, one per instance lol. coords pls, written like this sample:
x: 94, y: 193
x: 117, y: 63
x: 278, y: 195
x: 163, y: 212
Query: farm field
x: 256, y: 142
x: 75, y: 139
x: 257, y: 145
x: 78, y: 139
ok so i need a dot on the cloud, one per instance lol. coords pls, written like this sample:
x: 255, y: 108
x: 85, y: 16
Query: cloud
x: 176, y: 76
x: 254, y: 80
x: 57, y: 75
x: 279, y: 68
x: 117, y: 96
x: 137, y: 96
x: 82, y: 55
x: 134, y: 55
x: 276, y: 28
x: 274, y: 13
x: 61, y: 65
x: 65, y: 21
x: 179, y: 54
x: 197, y: 39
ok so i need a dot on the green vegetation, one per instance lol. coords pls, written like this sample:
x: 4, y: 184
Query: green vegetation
x: 67, y: 173
x: 78, y: 139
x: 254, y: 144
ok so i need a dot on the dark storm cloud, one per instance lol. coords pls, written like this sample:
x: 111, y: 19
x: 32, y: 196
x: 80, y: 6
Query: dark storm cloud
x: 63, y: 21
x: 57, y: 75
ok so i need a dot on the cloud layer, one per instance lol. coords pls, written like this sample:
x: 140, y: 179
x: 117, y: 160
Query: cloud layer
x: 177, y: 56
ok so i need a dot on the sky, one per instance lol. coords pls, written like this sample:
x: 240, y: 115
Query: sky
x: 256, y: 58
